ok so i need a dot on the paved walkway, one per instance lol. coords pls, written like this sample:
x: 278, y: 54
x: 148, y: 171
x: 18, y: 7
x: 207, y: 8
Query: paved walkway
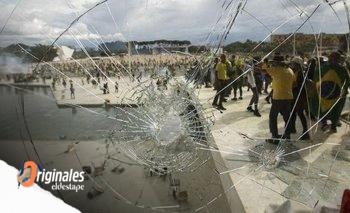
x: 259, y: 189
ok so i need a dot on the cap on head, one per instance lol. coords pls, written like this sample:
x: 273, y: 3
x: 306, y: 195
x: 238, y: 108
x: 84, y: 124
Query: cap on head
x: 278, y: 57
x: 223, y: 57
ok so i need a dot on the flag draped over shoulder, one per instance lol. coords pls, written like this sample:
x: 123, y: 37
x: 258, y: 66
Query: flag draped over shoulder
x: 331, y: 83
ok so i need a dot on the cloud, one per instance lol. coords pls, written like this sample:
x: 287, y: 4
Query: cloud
x: 42, y: 20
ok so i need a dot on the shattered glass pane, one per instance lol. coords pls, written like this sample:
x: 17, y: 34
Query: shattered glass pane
x: 157, y: 143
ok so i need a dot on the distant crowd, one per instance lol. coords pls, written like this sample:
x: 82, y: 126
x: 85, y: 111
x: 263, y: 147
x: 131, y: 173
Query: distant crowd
x: 97, y: 70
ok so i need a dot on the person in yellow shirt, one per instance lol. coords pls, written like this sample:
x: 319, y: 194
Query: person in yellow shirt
x: 222, y: 69
x: 283, y: 79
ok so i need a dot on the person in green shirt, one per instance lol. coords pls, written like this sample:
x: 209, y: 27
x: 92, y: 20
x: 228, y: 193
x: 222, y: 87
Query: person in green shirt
x: 238, y: 66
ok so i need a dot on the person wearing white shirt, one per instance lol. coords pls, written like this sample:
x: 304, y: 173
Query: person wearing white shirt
x: 251, y: 81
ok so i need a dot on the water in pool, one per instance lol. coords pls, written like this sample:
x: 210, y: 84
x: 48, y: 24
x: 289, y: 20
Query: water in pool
x: 46, y: 120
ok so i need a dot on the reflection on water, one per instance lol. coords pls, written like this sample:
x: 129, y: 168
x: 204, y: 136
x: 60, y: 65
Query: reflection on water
x: 45, y: 119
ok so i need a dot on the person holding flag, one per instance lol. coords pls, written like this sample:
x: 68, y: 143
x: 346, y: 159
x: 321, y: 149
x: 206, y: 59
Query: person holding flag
x: 332, y: 83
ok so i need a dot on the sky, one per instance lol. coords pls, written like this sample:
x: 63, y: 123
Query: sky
x: 41, y: 21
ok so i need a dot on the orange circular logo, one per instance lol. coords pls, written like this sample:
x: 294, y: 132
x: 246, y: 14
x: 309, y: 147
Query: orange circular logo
x: 27, y: 174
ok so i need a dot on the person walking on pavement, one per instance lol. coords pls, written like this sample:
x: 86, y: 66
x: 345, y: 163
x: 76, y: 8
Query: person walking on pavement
x: 222, y: 69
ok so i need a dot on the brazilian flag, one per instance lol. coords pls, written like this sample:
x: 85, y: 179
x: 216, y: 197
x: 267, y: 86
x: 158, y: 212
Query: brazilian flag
x: 331, y: 83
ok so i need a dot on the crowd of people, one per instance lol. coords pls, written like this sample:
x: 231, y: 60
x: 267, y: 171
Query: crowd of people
x: 308, y: 88
x: 313, y: 88
x: 96, y: 71
x: 118, y: 65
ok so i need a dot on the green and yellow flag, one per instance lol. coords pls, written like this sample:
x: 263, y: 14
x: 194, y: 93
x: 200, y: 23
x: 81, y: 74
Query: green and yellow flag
x: 331, y: 82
